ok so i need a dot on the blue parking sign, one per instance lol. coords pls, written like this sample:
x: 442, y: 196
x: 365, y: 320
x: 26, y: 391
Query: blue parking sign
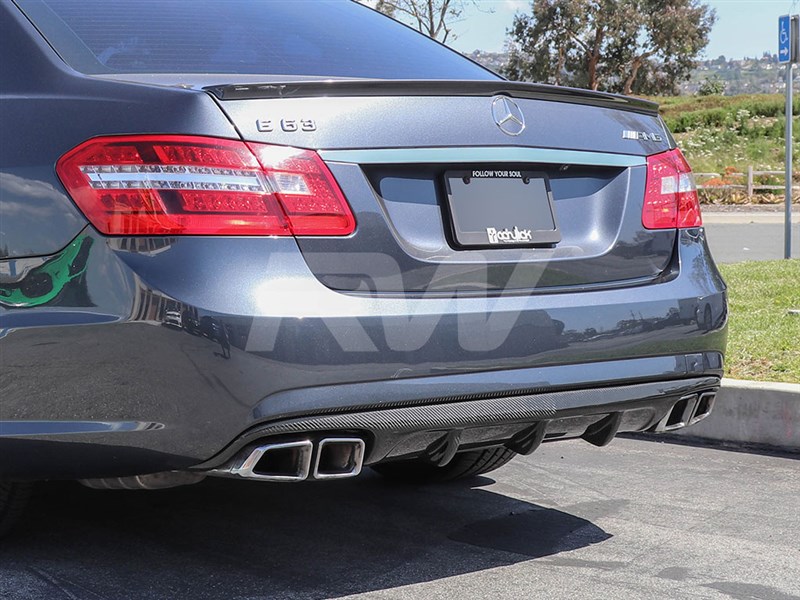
x: 784, y: 39
x: 788, y: 38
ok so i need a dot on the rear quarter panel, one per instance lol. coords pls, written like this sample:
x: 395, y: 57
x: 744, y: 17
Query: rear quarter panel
x: 46, y: 109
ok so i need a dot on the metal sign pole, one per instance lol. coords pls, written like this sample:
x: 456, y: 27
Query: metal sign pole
x: 787, y: 233
x: 788, y: 49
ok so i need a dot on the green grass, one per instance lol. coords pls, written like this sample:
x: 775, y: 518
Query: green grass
x: 763, y: 339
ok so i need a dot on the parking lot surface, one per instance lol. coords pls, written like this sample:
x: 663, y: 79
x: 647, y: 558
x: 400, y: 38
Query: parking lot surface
x: 637, y: 519
x: 736, y: 237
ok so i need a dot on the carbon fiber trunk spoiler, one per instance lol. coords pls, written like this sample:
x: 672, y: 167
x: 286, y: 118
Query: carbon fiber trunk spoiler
x: 388, y: 87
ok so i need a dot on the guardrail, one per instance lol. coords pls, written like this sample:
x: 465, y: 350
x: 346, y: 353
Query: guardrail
x: 748, y: 181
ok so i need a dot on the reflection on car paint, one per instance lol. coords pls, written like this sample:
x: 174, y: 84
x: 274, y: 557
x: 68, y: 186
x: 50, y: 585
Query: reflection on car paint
x: 179, y: 316
x: 45, y: 283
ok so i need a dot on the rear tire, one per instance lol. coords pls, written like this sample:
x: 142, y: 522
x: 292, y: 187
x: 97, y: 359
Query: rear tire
x: 13, y: 498
x: 464, y: 464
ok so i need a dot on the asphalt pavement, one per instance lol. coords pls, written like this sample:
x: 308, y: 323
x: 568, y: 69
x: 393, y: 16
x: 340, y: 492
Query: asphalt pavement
x: 749, y: 235
x: 636, y: 519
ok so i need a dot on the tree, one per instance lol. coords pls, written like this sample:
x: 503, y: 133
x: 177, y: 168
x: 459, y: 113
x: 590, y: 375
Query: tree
x: 434, y: 18
x: 642, y: 46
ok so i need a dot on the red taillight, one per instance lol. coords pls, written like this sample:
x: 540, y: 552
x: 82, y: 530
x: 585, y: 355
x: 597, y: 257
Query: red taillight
x: 187, y: 185
x: 670, y: 198
x: 308, y: 193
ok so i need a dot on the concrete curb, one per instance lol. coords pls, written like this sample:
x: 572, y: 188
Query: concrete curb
x: 752, y: 413
x: 743, y: 218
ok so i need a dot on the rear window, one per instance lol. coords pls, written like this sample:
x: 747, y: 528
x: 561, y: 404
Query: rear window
x: 334, y: 39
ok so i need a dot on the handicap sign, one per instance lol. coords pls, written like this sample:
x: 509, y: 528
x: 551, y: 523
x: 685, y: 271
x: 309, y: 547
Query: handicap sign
x: 788, y: 39
x: 784, y: 39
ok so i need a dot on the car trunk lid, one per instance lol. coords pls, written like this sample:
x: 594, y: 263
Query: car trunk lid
x: 406, y: 152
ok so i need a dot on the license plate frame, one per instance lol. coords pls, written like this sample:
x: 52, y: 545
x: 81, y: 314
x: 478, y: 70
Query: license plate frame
x: 495, y: 208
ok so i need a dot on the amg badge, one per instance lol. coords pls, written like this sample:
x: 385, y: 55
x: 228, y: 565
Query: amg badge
x: 506, y: 236
x: 642, y: 136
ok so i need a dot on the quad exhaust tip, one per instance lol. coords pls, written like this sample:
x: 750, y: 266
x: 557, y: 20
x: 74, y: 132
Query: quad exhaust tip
x: 286, y: 461
x: 338, y: 458
x: 332, y: 458
x: 705, y: 404
x: 687, y: 411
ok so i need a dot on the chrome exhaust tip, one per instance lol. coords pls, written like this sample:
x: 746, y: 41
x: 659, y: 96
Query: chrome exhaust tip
x: 287, y: 461
x: 687, y: 411
x: 705, y: 404
x: 679, y: 415
x: 338, y: 458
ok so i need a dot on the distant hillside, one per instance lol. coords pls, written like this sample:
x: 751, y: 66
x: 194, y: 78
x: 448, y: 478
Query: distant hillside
x: 491, y: 60
x: 746, y: 76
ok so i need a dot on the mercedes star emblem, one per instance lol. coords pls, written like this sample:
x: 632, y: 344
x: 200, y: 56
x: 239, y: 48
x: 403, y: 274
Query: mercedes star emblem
x: 508, y: 115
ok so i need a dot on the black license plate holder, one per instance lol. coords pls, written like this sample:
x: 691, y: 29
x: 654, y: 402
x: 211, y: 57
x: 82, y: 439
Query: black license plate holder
x: 498, y: 208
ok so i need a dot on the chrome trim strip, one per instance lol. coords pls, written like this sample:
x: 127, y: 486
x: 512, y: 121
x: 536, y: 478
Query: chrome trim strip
x: 173, y: 177
x: 49, y: 428
x: 491, y: 154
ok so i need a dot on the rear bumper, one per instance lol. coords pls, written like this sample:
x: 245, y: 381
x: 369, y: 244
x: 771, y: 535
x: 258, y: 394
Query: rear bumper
x: 520, y: 421
x: 102, y: 382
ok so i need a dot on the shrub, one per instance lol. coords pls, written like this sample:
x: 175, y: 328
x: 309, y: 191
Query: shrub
x: 712, y: 86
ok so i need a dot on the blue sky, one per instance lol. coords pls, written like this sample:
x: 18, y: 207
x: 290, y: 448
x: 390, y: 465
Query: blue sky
x: 743, y: 28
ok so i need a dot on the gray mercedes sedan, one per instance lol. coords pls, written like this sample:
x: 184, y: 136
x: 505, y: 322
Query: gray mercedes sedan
x: 283, y: 241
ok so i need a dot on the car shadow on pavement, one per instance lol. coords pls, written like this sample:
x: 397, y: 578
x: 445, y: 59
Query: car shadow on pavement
x: 234, y: 539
